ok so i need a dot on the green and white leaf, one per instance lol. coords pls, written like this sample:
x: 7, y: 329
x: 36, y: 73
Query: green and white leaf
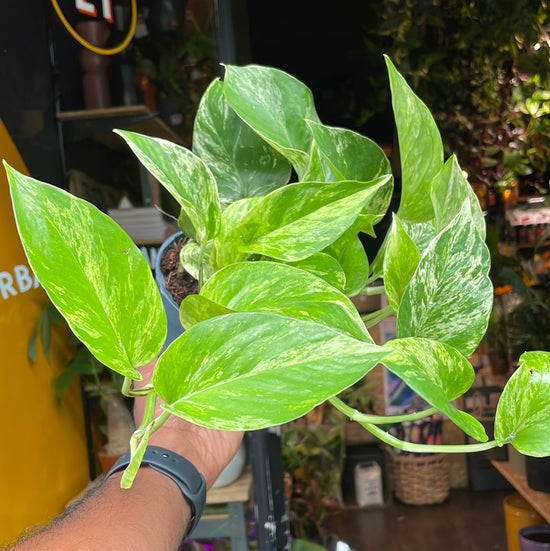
x: 185, y: 177
x: 302, y: 219
x: 275, y: 105
x: 351, y: 256
x: 352, y: 156
x: 242, y: 163
x: 523, y: 410
x: 282, y: 289
x: 450, y: 189
x: 225, y: 247
x: 420, y: 148
x: 93, y: 273
x: 326, y: 267
x: 196, y: 308
x: 449, y: 297
x: 400, y: 262
x: 252, y: 370
x: 438, y: 373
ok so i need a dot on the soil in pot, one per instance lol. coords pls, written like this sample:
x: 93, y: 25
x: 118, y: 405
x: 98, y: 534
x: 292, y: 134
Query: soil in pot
x: 178, y: 282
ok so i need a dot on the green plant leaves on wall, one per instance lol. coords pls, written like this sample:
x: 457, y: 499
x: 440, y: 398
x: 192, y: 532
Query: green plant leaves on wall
x: 242, y: 163
x: 523, y: 411
x: 235, y: 383
x: 98, y: 283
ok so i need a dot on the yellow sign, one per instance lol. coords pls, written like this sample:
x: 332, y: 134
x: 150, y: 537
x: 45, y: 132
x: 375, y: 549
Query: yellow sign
x: 43, y: 451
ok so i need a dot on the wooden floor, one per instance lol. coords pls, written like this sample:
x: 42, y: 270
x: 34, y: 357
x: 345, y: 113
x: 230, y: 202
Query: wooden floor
x: 466, y: 521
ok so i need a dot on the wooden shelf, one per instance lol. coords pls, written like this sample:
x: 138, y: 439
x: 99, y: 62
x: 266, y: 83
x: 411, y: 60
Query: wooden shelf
x: 98, y: 123
x: 240, y: 490
x: 540, y: 501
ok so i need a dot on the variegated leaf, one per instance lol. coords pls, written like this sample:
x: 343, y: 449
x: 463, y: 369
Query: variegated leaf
x: 438, y: 373
x: 449, y: 297
x: 186, y: 178
x: 93, y: 273
x: 275, y: 105
x: 243, y: 164
x: 523, y: 410
x: 285, y: 290
x: 400, y: 262
x: 251, y: 370
x: 420, y: 147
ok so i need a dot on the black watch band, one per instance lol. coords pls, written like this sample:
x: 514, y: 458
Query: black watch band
x: 180, y: 470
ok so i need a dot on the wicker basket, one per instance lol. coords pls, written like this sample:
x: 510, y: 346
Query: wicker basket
x: 419, y: 479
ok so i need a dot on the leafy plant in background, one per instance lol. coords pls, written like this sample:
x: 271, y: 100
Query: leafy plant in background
x: 97, y: 378
x: 272, y: 332
x: 313, y: 456
x: 468, y: 63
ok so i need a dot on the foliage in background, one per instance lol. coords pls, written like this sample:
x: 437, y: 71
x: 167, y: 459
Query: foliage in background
x: 180, y: 67
x: 476, y: 67
x: 314, y: 448
x: 520, y: 319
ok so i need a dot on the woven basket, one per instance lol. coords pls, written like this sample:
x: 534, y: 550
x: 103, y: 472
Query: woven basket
x: 419, y: 479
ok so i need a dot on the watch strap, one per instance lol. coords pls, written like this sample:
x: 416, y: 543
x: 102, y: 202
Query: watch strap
x: 180, y: 470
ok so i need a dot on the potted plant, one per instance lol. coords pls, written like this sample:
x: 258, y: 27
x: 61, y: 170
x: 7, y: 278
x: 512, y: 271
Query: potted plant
x: 272, y: 333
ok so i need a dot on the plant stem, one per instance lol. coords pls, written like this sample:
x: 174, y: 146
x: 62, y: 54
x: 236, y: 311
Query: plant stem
x: 201, y: 265
x: 426, y: 448
x: 140, y: 438
x: 394, y: 442
x: 371, y: 291
x: 130, y: 392
x: 355, y: 415
x: 375, y: 317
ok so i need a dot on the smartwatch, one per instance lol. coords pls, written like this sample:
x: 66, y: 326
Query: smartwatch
x: 177, y: 468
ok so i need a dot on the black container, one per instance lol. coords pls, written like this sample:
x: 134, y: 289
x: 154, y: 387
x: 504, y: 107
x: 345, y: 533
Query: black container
x: 537, y: 470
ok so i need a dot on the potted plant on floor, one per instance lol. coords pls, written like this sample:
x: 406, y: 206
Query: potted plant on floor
x: 272, y: 332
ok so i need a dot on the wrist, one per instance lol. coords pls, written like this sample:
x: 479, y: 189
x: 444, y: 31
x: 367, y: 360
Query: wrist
x: 178, y: 472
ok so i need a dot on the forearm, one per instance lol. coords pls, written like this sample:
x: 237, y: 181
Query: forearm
x: 153, y: 514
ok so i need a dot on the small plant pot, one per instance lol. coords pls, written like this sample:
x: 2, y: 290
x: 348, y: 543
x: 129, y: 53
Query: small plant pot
x: 175, y: 328
x: 534, y: 538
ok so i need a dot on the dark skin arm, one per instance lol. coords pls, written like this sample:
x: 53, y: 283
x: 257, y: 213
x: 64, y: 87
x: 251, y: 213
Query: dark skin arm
x: 152, y: 514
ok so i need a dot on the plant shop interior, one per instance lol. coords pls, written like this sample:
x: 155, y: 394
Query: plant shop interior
x: 75, y: 70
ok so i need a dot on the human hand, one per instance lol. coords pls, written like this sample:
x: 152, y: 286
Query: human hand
x: 209, y: 450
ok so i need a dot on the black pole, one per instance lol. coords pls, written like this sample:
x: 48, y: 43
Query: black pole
x: 272, y: 526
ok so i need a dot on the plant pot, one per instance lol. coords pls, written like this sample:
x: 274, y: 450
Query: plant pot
x: 235, y: 467
x: 175, y: 328
x: 518, y: 514
x: 537, y: 470
x: 534, y: 538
